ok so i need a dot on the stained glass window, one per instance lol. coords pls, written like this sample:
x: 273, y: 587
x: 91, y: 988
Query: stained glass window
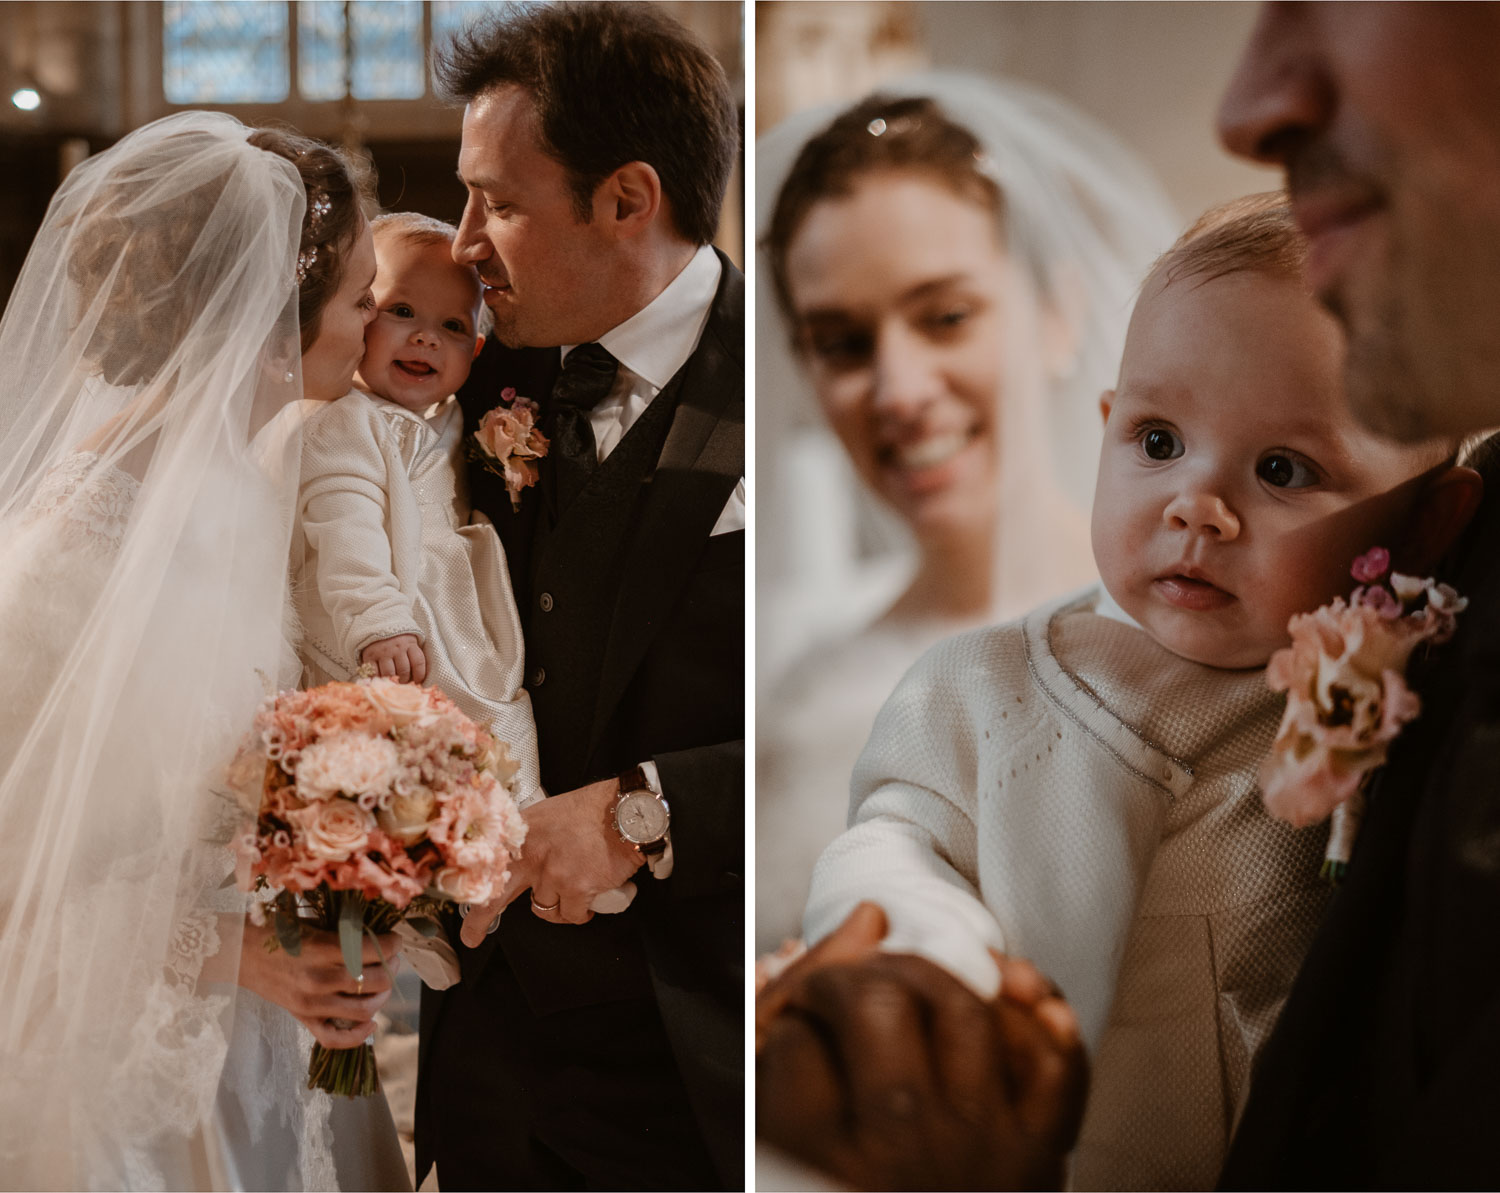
x: 221, y: 52
x: 451, y: 17
x: 386, y: 37
x: 240, y: 51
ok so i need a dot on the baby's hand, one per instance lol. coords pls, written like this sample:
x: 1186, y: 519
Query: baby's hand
x: 399, y: 658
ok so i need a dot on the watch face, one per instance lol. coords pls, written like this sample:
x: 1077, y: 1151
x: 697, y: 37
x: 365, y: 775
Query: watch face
x: 641, y: 817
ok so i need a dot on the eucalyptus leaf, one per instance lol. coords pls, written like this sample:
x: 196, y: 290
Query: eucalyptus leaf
x: 351, y: 928
x: 428, y: 928
x: 379, y: 952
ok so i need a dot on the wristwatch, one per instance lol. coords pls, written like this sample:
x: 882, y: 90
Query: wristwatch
x: 642, y: 819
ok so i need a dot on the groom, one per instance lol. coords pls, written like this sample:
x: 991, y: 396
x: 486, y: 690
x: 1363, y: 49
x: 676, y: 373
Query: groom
x: 583, y: 1051
x: 1381, y: 1072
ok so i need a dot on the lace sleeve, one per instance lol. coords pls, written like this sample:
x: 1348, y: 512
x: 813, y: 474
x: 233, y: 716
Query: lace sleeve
x: 89, y: 502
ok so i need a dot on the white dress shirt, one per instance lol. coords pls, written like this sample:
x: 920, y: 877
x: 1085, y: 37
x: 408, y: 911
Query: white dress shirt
x: 651, y: 346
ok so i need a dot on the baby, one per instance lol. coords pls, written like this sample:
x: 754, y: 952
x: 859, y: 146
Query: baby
x: 391, y: 572
x: 1078, y: 787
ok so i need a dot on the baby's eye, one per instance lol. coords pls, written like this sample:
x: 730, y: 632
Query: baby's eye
x: 1285, y: 471
x: 401, y: 310
x: 1161, y: 444
x: 456, y: 327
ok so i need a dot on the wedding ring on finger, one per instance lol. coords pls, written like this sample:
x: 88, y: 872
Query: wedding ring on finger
x: 544, y: 907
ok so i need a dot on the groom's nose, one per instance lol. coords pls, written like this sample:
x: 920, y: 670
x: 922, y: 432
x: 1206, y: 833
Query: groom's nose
x: 471, y: 245
x: 1282, y: 92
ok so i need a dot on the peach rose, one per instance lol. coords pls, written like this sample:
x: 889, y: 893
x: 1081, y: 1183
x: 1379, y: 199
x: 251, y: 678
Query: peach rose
x: 334, y: 829
x: 407, y: 816
x: 404, y: 703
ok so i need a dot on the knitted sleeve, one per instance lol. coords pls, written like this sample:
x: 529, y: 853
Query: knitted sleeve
x: 989, y: 811
x: 913, y: 841
x: 345, y: 512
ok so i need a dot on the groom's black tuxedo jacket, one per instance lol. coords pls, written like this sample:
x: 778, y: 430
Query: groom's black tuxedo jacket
x: 1384, y: 1070
x: 634, y: 623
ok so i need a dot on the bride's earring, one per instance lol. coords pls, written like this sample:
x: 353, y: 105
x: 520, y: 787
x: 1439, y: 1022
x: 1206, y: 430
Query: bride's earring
x: 290, y: 377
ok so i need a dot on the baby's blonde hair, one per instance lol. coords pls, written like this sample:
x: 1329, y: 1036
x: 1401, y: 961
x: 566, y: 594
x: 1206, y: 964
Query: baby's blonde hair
x: 416, y: 228
x: 1255, y: 233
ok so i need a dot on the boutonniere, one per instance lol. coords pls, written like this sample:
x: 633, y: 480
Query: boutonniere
x: 508, y: 443
x: 1345, y: 679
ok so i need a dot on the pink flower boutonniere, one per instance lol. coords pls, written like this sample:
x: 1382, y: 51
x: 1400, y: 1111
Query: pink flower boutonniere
x: 509, y: 443
x: 1345, y: 679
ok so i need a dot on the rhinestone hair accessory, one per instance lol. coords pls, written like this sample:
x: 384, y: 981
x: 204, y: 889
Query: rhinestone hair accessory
x: 306, y: 259
x: 318, y: 208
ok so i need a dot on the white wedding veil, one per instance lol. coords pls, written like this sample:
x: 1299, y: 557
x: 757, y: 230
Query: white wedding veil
x: 146, y: 490
x: 1081, y: 212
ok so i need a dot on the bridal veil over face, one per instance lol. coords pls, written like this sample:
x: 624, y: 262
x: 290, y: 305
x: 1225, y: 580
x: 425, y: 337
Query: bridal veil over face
x: 146, y: 490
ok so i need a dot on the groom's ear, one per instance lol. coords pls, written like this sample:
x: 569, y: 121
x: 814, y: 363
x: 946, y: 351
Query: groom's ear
x: 629, y: 200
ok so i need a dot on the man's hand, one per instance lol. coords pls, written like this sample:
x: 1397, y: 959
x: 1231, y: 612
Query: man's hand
x: 572, y: 853
x: 888, y: 1073
x: 399, y: 658
x: 316, y: 987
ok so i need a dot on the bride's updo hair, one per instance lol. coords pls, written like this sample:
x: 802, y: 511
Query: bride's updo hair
x: 339, y: 189
x: 881, y: 134
x: 148, y: 241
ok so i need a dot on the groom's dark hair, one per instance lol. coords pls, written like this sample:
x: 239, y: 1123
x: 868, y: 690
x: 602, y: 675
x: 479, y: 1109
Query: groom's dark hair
x: 611, y: 83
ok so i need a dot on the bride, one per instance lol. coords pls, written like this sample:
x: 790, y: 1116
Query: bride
x: 186, y: 288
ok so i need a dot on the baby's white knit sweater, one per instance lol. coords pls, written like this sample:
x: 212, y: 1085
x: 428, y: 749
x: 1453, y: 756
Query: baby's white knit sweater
x: 1064, y: 789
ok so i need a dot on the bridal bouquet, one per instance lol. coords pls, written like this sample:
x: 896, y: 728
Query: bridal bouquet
x: 1345, y: 679
x: 509, y: 443
x: 373, y: 801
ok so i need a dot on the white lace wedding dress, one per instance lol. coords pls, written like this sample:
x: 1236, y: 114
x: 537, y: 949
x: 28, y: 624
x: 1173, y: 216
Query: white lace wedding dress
x: 216, y: 1096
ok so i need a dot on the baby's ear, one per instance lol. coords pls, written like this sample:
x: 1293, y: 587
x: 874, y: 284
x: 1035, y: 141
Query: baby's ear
x: 1442, y: 511
x: 1106, y: 403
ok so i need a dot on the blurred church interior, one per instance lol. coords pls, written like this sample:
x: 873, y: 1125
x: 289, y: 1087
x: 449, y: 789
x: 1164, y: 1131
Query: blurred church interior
x: 77, y: 76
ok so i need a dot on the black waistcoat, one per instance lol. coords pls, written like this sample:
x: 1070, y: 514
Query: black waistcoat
x: 577, y: 568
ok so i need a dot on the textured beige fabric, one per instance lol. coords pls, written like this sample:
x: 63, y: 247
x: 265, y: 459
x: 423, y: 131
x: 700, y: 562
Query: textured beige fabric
x: 384, y: 547
x: 1064, y: 789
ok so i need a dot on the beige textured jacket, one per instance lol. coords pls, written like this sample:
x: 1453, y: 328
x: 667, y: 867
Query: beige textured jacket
x: 384, y: 547
x: 1064, y: 789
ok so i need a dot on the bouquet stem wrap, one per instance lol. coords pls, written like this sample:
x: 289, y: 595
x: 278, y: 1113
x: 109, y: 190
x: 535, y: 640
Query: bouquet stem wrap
x: 350, y: 1072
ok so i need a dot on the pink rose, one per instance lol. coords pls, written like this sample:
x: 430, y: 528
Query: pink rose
x: 334, y: 829
x: 1370, y: 566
